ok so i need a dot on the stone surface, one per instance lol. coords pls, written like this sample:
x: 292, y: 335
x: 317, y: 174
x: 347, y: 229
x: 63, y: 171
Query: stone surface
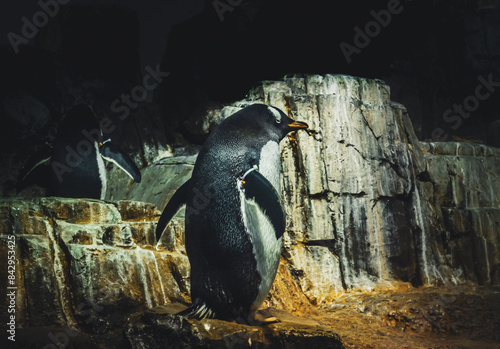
x: 368, y: 205
x: 86, y: 265
x: 159, y: 180
x: 349, y: 185
x: 159, y: 328
x: 466, y: 180
x: 432, y: 317
x: 366, y: 208
x: 87, y: 259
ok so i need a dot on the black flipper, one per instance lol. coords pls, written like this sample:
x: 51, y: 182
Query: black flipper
x: 41, y: 157
x: 198, y: 310
x: 112, y: 153
x: 258, y: 188
x: 176, y: 201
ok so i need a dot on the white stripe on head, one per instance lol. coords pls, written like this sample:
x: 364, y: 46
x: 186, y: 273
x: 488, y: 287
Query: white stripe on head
x: 276, y: 113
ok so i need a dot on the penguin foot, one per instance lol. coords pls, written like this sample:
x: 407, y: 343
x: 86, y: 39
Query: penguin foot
x: 263, y: 320
x: 258, y: 319
x: 198, y: 310
x: 270, y: 320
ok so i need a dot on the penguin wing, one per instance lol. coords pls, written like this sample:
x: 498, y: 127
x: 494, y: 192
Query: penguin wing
x: 36, y: 160
x: 176, y: 201
x: 259, y: 189
x: 112, y: 153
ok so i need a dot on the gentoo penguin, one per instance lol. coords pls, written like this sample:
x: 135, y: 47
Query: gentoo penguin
x: 234, y: 220
x: 76, y: 158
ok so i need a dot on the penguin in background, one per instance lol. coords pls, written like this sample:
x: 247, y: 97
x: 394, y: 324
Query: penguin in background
x: 76, y: 157
x: 234, y: 221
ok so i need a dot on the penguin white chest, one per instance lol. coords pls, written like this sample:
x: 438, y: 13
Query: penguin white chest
x: 266, y: 247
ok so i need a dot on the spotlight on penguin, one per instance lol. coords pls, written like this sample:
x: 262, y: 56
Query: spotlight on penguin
x: 234, y: 240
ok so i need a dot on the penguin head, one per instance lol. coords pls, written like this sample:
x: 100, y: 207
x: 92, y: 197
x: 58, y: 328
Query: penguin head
x: 282, y: 124
x: 262, y: 121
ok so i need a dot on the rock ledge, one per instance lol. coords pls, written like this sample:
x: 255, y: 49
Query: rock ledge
x: 160, y: 327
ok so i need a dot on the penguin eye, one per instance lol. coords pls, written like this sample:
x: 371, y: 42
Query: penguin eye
x: 276, y: 114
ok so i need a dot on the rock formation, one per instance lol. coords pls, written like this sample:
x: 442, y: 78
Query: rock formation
x: 366, y: 207
x: 369, y: 209
x: 367, y: 199
x: 82, y: 259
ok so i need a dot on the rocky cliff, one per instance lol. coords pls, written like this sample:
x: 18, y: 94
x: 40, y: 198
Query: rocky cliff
x: 370, y: 211
x: 363, y: 195
x: 368, y: 205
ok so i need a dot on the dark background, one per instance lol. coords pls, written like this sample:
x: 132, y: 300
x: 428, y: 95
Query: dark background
x: 432, y: 54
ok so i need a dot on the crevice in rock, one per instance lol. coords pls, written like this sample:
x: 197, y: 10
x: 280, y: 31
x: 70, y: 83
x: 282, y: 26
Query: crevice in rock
x: 319, y: 196
x: 328, y: 243
x: 354, y: 195
x: 322, y: 149
x: 60, y: 274
x: 355, y: 148
x: 288, y: 106
x: 336, y: 253
x: 394, y: 167
x: 367, y: 123
x: 296, y: 274
x: 424, y: 177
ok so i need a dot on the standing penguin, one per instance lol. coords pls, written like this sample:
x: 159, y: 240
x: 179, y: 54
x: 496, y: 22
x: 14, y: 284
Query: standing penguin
x: 234, y: 219
x: 76, y: 158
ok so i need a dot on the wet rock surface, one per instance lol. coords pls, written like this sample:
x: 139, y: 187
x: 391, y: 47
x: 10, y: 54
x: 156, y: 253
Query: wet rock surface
x: 159, y: 328
x: 435, y: 317
x: 159, y: 180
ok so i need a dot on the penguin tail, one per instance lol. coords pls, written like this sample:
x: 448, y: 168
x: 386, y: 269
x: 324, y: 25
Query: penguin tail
x: 198, y: 310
